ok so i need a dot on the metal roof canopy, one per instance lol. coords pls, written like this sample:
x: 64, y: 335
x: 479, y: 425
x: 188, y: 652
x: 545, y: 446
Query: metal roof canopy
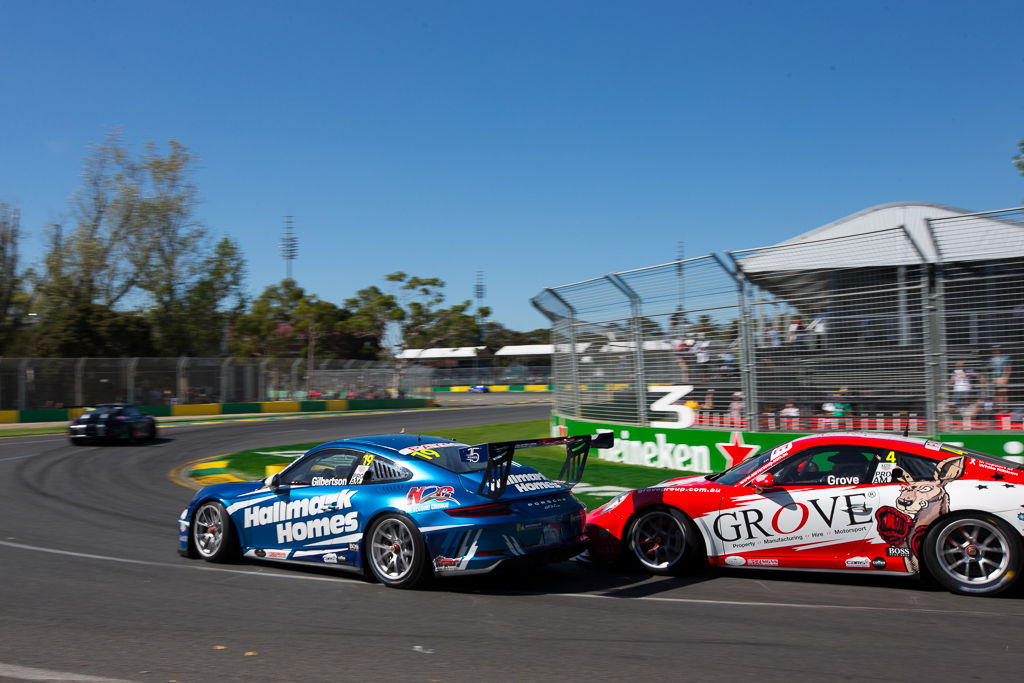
x: 537, y: 349
x: 442, y: 354
x: 1002, y: 239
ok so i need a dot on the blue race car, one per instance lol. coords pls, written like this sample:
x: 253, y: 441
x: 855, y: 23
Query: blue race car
x: 399, y: 508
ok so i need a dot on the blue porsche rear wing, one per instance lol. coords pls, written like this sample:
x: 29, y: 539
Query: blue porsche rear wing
x: 498, y: 456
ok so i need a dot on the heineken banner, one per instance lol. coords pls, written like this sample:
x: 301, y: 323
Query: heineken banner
x: 707, y: 450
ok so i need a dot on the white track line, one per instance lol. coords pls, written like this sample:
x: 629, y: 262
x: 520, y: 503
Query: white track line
x: 24, y: 673
x: 683, y: 601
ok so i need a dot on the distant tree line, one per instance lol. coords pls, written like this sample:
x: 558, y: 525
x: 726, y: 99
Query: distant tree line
x: 131, y: 271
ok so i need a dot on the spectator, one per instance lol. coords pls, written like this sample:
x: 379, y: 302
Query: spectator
x: 790, y: 415
x: 961, y: 380
x: 682, y: 350
x: 736, y: 407
x: 795, y: 336
x: 999, y: 369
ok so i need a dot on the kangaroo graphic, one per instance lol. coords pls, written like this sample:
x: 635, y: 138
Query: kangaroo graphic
x: 918, y: 504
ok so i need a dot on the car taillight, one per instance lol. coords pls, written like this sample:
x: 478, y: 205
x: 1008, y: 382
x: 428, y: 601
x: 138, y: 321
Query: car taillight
x: 121, y: 418
x: 490, y: 510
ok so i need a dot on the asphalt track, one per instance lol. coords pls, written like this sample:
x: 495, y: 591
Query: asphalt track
x: 93, y: 590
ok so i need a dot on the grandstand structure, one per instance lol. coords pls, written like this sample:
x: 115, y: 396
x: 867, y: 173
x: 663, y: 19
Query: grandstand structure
x: 877, y: 320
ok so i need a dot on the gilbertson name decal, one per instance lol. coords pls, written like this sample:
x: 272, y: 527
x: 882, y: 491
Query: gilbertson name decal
x: 660, y: 453
x: 281, y: 513
x: 531, y: 482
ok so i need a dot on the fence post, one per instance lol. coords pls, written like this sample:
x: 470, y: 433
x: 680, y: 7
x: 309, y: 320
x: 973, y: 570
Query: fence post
x: 182, y: 380
x: 79, y: 381
x: 933, y: 293
x: 23, y: 384
x: 638, y: 342
x: 748, y: 360
x: 225, y: 379
x: 261, y: 379
x: 574, y: 370
x: 129, y: 379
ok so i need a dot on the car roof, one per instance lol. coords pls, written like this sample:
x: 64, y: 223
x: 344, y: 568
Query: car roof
x: 868, y: 436
x: 394, y: 442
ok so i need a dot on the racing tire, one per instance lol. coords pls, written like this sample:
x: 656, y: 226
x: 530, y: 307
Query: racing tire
x: 972, y: 553
x: 152, y: 433
x: 395, y: 552
x: 664, y: 541
x: 213, y: 536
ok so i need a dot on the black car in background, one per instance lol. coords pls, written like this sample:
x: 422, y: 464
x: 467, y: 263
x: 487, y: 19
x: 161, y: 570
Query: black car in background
x: 118, y: 422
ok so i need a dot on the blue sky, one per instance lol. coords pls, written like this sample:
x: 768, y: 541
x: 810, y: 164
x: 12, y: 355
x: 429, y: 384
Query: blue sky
x: 539, y: 142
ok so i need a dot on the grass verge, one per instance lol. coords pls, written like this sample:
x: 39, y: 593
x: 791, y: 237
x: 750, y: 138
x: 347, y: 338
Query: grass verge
x: 251, y: 464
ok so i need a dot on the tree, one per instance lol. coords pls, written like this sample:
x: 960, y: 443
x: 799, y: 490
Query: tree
x: 132, y: 238
x: 170, y: 260
x: 285, y: 321
x: 13, y: 300
x: 214, y: 300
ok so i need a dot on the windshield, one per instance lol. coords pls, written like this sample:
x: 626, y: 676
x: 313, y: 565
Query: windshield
x: 446, y: 456
x: 738, y: 473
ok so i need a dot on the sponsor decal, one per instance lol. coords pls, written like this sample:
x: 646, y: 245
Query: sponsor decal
x: 421, y: 498
x: 735, y: 561
x: 473, y: 454
x: 442, y: 564
x: 932, y: 445
x: 660, y: 453
x: 329, y: 481
x: 762, y: 562
x: 735, y: 451
x: 357, y: 476
x: 897, y: 552
x: 878, y: 563
x: 419, y: 448
x: 284, y: 513
x: 841, y: 481
x: 841, y: 514
x: 858, y: 563
x: 277, y: 554
x: 331, y: 558
x: 532, y: 482
x: 354, y: 547
x: 883, y: 473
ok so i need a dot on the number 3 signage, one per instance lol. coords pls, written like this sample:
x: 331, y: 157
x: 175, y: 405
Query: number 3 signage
x: 684, y: 414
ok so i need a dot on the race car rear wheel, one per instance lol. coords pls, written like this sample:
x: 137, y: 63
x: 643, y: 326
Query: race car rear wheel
x: 973, y: 553
x: 665, y: 541
x: 395, y: 552
x: 213, y: 534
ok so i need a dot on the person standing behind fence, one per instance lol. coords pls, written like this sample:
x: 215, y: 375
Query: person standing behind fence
x: 999, y: 369
x: 962, y: 382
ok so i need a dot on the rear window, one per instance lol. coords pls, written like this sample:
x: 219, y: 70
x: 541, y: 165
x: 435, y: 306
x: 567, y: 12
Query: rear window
x: 446, y: 455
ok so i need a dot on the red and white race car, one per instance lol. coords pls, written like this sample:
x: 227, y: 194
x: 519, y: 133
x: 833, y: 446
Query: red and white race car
x: 837, y: 502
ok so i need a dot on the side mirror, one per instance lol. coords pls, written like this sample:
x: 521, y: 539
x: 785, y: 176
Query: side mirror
x: 273, y: 481
x: 763, y: 481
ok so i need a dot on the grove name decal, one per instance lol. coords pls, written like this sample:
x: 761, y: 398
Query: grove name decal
x: 750, y: 524
x: 282, y: 513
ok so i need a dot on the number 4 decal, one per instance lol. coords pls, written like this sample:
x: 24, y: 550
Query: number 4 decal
x: 684, y: 414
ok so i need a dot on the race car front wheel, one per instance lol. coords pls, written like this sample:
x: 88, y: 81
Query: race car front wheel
x: 395, y: 553
x: 213, y: 534
x: 973, y: 553
x: 665, y: 541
